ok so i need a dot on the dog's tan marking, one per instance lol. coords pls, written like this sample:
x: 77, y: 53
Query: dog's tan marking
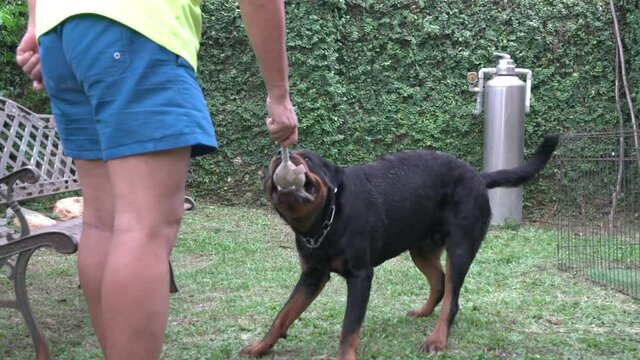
x: 304, y: 265
x: 348, y: 346
x: 337, y: 265
x: 429, y: 264
x: 437, y: 341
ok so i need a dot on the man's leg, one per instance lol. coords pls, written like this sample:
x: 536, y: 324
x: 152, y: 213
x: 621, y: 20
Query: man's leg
x: 148, y: 193
x: 95, y: 241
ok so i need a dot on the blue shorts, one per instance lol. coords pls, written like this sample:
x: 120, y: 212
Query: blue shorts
x: 115, y: 93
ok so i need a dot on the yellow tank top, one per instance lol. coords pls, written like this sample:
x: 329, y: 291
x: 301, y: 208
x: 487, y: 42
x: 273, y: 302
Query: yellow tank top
x: 173, y: 24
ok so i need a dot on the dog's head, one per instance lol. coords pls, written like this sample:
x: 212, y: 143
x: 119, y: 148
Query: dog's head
x: 301, y: 208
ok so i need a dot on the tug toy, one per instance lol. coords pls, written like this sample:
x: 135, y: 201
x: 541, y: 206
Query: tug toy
x: 288, y: 175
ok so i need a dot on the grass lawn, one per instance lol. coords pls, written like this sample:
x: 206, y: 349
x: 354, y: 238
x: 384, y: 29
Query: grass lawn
x: 236, y: 267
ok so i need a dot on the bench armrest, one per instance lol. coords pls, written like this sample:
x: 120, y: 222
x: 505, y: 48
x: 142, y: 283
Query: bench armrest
x: 59, y: 241
x: 28, y: 174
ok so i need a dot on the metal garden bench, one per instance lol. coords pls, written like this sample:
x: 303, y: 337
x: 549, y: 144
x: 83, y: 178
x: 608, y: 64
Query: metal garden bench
x: 32, y: 166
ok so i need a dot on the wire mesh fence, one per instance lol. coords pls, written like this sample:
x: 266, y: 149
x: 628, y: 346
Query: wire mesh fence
x: 598, y: 209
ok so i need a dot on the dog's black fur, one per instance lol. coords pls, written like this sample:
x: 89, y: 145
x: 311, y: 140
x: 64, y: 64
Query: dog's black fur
x: 422, y: 201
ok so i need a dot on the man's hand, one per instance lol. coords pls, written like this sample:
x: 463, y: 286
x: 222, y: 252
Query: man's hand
x: 282, y: 122
x: 28, y: 58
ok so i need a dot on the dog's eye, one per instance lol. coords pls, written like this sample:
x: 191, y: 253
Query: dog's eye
x: 306, y: 158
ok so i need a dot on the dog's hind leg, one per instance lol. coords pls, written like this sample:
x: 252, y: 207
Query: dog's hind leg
x: 309, y: 285
x: 461, y: 247
x: 427, y: 259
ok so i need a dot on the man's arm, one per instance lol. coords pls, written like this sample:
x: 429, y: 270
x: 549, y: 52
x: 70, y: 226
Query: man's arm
x: 27, y: 53
x: 32, y: 13
x: 264, y: 23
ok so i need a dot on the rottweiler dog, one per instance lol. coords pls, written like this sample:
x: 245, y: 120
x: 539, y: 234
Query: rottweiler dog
x: 350, y: 220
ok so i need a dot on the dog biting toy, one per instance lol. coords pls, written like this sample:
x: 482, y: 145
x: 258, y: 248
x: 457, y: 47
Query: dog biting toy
x: 288, y: 175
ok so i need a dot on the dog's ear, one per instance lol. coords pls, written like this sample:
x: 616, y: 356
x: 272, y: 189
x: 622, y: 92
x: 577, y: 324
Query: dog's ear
x: 335, y: 174
x: 268, y: 178
x: 331, y: 173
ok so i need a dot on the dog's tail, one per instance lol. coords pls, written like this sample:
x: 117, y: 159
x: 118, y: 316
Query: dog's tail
x: 520, y: 175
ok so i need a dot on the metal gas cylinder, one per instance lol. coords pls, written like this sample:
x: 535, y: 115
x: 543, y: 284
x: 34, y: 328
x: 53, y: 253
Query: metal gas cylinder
x: 506, y: 101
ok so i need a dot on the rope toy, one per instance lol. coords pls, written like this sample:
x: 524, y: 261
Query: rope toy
x: 288, y: 175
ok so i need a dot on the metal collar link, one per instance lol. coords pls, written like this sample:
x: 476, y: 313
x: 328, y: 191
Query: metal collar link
x: 314, y: 242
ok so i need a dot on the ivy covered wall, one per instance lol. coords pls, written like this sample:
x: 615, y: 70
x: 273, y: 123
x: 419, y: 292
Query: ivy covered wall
x: 371, y: 77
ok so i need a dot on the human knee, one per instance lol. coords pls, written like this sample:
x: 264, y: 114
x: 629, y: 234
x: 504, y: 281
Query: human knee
x: 97, y: 221
x: 158, y: 228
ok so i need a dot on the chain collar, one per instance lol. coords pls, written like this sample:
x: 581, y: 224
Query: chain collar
x: 315, y: 241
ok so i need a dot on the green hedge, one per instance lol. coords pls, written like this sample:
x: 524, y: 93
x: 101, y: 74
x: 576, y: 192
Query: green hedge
x: 13, y: 83
x: 370, y: 77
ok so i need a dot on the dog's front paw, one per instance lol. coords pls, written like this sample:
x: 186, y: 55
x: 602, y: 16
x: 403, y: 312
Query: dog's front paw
x: 433, y: 345
x: 418, y: 313
x: 256, y: 350
x: 346, y: 357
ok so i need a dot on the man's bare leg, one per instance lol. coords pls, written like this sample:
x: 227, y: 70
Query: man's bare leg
x: 148, y: 192
x: 95, y: 241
